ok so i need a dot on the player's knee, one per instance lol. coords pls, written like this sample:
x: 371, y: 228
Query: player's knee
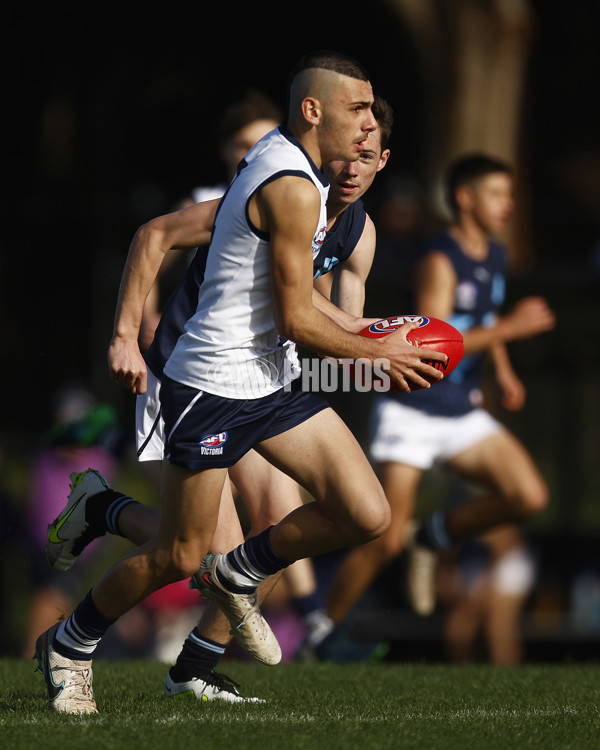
x: 170, y: 567
x: 376, y: 522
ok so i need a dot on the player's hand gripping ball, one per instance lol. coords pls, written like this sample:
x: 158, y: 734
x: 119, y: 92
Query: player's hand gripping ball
x: 432, y: 333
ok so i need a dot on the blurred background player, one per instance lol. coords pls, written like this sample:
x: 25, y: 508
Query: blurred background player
x: 240, y: 126
x: 482, y: 587
x: 461, y: 279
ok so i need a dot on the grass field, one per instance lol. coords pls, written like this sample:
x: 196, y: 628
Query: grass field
x: 323, y: 707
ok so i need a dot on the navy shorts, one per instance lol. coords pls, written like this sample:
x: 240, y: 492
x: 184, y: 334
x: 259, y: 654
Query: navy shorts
x: 204, y: 431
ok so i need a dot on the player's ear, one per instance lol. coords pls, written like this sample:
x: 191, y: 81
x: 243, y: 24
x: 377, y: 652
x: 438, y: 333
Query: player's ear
x: 311, y: 109
x: 385, y: 155
x: 464, y: 197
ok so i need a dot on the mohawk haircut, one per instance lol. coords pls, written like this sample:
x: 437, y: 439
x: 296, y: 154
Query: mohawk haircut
x: 333, y: 61
x: 336, y: 62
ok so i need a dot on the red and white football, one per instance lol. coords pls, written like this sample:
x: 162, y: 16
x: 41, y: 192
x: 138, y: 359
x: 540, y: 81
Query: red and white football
x: 432, y: 333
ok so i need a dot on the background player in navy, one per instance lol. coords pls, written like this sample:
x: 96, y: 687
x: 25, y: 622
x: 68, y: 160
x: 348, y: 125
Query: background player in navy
x: 461, y: 279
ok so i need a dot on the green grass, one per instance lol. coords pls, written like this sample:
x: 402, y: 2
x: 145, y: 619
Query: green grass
x: 322, y: 707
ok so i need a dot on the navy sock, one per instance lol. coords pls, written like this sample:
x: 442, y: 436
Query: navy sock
x: 102, y: 511
x: 78, y: 636
x: 199, y: 656
x: 246, y: 566
x: 304, y: 605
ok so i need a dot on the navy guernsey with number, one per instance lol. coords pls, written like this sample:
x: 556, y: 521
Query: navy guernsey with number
x: 480, y: 290
x: 337, y: 247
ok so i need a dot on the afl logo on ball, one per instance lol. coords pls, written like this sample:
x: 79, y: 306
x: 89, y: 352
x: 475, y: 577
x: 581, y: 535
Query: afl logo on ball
x: 390, y: 324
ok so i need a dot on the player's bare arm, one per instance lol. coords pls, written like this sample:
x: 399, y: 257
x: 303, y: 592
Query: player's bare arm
x: 186, y: 228
x: 434, y: 294
x: 435, y: 285
x: 289, y: 209
x: 513, y: 392
x: 529, y: 317
x: 343, y: 301
x: 183, y: 229
x: 126, y: 364
x: 340, y: 317
x: 348, y: 288
x: 435, y: 288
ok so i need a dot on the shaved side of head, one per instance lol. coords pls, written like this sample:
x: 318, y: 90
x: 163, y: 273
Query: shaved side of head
x: 318, y: 73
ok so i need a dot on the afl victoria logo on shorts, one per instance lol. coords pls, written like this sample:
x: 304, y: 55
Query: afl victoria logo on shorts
x: 212, y: 445
x: 390, y: 324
